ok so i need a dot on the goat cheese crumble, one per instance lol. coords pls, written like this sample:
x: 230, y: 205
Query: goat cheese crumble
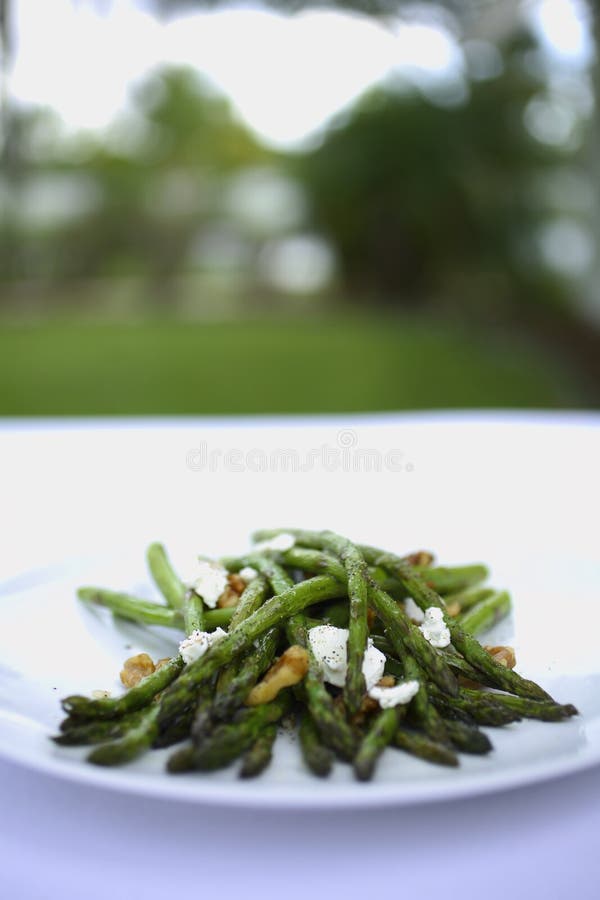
x: 398, y: 694
x: 413, y: 611
x: 248, y: 573
x: 211, y: 582
x: 280, y: 543
x: 198, y: 642
x: 434, y: 628
x: 330, y: 648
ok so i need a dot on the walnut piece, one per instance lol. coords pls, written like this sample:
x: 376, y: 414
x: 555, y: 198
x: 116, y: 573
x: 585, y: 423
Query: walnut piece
x: 232, y: 593
x: 135, y: 668
x: 453, y: 609
x: 290, y: 668
x: 236, y: 582
x: 420, y: 558
x: 503, y: 655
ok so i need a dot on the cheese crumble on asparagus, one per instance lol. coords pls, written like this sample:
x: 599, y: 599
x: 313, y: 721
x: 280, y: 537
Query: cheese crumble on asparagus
x: 211, y: 582
x: 198, y: 642
x: 434, y: 628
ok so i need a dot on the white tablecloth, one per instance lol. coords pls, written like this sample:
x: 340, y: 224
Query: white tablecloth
x: 61, y: 841
x: 72, y: 491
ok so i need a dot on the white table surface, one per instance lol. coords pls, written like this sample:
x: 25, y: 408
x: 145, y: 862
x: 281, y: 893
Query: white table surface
x: 73, y: 489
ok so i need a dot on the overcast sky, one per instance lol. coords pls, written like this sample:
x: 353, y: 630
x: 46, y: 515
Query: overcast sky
x: 285, y: 75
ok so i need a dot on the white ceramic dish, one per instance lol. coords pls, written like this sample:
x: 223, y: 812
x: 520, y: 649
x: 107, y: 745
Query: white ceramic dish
x: 537, y: 542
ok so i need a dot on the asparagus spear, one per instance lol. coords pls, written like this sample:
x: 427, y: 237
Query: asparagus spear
x: 250, y: 601
x: 132, y: 744
x: 136, y: 610
x: 449, y: 579
x: 378, y: 737
x: 193, y: 612
x: 165, y: 577
x: 468, y: 598
x: 135, y: 698
x: 75, y: 733
x: 317, y: 756
x: 425, y: 712
x: 476, y: 708
x: 460, y: 664
x: 423, y: 747
x: 467, y: 738
x: 543, y: 710
x: 132, y: 608
x: 181, y: 760
x: 486, y: 613
x: 260, y: 754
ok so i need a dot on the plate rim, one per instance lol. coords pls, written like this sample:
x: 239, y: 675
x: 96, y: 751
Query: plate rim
x: 295, y: 797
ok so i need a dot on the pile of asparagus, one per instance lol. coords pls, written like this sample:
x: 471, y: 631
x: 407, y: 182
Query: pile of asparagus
x: 321, y: 579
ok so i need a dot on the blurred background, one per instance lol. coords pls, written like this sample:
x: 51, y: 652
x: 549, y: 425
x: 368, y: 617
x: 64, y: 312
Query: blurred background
x: 298, y: 207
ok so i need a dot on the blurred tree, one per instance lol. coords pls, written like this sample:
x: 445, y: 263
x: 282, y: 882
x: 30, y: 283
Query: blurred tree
x: 159, y: 192
x: 156, y: 180
x: 466, y: 9
x: 437, y: 208
x: 422, y: 199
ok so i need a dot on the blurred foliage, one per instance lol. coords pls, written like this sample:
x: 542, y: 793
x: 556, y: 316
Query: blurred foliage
x: 428, y: 204
x: 463, y: 8
x: 154, y: 182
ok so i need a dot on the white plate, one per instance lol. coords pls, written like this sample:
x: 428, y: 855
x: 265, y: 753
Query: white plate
x: 519, y: 493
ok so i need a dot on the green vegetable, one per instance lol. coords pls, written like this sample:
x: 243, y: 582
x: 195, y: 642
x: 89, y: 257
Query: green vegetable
x: 378, y: 737
x: 486, y: 613
x: 167, y: 581
x: 346, y: 586
x: 259, y: 756
x: 317, y: 756
x: 135, y: 698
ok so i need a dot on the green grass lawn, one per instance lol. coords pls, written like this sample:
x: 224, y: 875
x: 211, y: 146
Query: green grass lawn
x: 277, y: 366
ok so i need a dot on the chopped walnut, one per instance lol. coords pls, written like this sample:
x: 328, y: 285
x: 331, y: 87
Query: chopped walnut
x: 162, y: 662
x: 503, y: 655
x: 228, y: 598
x: 237, y: 583
x: 135, y: 668
x: 420, y: 558
x: 232, y: 593
x: 290, y: 668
